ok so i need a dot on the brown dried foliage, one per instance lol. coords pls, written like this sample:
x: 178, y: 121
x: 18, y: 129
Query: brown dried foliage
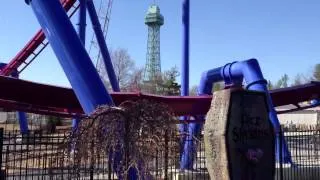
x: 138, y: 131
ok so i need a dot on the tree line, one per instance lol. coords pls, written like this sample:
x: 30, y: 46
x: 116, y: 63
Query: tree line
x: 299, y: 79
x: 130, y: 77
x: 283, y: 82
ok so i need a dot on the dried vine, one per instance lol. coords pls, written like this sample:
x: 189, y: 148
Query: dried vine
x: 131, y: 136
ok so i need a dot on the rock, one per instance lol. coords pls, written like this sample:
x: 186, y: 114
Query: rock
x: 239, y: 139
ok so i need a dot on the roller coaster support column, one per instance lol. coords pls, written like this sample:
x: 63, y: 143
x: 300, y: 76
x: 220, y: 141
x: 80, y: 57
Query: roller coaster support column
x: 23, y: 122
x: 22, y: 117
x: 71, y: 54
x: 108, y: 65
x: 103, y: 46
x: 82, y: 34
x: 185, y: 65
x: 185, y: 59
x: 82, y: 21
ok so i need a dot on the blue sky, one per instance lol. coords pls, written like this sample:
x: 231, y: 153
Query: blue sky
x: 283, y: 35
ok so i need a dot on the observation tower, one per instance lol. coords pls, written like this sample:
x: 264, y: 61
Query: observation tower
x: 154, y: 20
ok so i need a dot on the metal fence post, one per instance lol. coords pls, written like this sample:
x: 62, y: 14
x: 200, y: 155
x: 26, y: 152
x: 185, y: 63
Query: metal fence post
x: 166, y: 155
x: 110, y: 163
x: 92, y: 160
x: 280, y: 154
x: 2, y: 172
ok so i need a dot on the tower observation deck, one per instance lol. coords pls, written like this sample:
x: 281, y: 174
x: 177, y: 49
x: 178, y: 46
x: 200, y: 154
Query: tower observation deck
x: 153, y: 20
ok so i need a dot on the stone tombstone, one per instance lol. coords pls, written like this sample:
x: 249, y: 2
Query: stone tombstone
x: 239, y: 138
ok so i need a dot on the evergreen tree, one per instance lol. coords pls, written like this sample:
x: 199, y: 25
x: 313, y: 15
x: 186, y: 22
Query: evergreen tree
x: 217, y: 86
x: 168, y: 85
x: 285, y: 80
x: 282, y: 82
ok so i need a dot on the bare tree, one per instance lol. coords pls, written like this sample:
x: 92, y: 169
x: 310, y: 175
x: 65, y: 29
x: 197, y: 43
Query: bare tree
x: 124, y: 68
x: 316, y: 72
x: 270, y: 85
x: 136, y: 83
x: 300, y: 79
x: 216, y: 87
x: 194, y: 90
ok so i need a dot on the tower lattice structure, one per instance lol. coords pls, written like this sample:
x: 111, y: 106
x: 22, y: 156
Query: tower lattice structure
x: 153, y: 20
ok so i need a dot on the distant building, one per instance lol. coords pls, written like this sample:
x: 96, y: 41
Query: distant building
x: 33, y: 119
x: 299, y: 119
x: 8, y: 117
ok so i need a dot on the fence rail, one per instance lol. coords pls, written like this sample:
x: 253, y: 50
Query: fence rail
x: 35, y: 157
